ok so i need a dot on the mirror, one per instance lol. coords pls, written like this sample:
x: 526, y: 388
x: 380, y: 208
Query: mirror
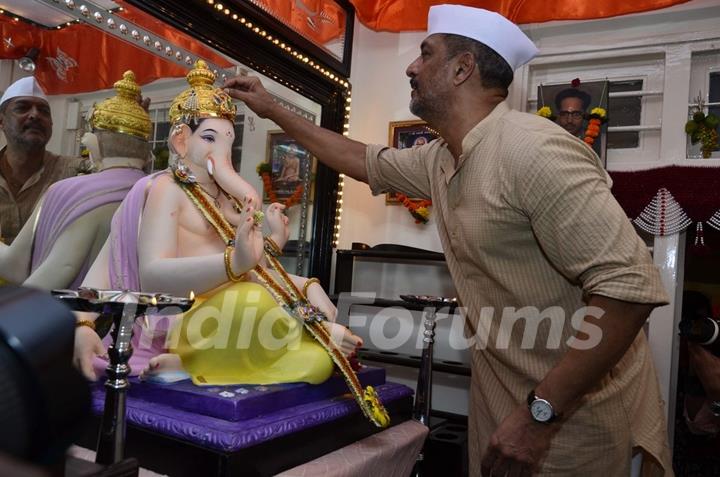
x: 317, y: 25
x: 132, y: 37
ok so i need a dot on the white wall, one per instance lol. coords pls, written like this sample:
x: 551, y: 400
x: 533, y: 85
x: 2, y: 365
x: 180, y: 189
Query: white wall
x: 381, y: 94
x: 668, y: 40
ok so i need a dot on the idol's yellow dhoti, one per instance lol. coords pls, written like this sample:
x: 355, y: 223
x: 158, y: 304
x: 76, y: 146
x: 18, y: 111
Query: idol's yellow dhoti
x: 240, y: 335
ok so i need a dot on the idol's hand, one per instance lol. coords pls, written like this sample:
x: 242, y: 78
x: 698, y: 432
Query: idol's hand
x: 343, y: 338
x: 248, y: 239
x: 87, y: 346
x: 278, y: 223
x: 250, y: 91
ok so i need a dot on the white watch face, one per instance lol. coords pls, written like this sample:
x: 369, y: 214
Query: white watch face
x: 541, y: 410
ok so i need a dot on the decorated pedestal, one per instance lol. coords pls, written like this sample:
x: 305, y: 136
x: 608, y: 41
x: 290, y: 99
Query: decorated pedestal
x: 183, y: 429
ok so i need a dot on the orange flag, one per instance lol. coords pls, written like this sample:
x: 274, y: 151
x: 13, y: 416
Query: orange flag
x: 408, y: 15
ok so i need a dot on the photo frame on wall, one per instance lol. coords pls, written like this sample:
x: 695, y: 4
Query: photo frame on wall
x: 576, y: 108
x: 290, y: 168
x: 405, y: 134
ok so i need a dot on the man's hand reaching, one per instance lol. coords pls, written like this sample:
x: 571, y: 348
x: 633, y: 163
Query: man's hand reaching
x: 250, y: 91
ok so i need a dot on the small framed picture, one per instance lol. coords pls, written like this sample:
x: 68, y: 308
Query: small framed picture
x: 405, y: 134
x: 290, y: 166
x: 571, y: 106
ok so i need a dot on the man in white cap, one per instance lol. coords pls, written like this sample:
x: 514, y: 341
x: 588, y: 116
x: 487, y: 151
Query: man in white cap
x: 26, y: 168
x: 532, y: 235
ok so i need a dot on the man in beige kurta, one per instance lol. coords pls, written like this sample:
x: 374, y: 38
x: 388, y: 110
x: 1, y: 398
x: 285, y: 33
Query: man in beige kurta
x: 26, y: 168
x: 16, y: 207
x: 518, y: 229
x: 555, y: 283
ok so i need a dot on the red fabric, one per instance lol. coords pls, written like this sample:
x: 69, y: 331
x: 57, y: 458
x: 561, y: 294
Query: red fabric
x: 696, y: 189
x: 407, y: 15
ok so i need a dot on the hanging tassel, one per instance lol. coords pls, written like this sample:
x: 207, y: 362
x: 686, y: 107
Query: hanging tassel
x: 699, y: 235
x: 699, y: 249
x: 663, y: 216
x: 714, y: 221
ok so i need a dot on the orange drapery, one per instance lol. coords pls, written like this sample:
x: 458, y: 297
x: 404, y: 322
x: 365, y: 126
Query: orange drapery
x: 80, y: 58
x: 407, y: 15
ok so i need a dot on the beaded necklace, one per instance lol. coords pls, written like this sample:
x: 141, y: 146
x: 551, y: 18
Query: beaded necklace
x: 295, y: 303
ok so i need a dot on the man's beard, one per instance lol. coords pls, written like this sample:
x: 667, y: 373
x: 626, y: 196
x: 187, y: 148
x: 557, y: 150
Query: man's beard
x: 429, y: 108
x: 31, y: 142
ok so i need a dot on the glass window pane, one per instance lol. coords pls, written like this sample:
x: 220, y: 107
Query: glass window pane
x: 624, y: 111
x: 714, y: 93
x: 714, y: 97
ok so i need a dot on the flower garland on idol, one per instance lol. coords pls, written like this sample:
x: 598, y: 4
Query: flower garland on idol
x: 264, y: 170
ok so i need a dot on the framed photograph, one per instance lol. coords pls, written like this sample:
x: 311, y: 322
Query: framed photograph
x: 571, y: 105
x: 291, y: 166
x: 405, y: 134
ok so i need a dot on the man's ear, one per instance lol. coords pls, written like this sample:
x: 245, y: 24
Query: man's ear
x: 179, y: 139
x: 464, y: 66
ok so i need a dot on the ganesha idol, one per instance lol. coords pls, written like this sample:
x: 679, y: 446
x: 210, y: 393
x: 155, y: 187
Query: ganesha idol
x: 196, y: 227
x: 68, y: 227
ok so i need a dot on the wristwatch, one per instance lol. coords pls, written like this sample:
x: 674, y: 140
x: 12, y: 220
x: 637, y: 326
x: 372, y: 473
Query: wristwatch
x: 715, y: 408
x: 540, y: 409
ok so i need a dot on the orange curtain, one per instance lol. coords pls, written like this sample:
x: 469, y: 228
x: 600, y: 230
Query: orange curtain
x: 406, y: 15
x: 80, y: 58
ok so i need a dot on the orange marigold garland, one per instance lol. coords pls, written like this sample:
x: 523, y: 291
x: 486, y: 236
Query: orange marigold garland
x: 417, y: 208
x: 596, y: 118
x: 264, y: 170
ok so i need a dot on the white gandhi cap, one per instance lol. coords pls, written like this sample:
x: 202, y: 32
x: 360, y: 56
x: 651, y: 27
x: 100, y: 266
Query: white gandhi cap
x: 27, y: 86
x: 489, y: 28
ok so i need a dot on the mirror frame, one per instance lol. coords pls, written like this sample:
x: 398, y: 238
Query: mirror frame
x: 217, y: 30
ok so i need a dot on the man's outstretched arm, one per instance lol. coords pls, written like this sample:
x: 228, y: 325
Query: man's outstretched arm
x: 332, y: 149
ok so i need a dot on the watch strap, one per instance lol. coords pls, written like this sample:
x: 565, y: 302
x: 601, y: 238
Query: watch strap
x: 532, y: 397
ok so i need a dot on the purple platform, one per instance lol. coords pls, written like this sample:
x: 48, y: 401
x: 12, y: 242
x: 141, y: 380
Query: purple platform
x: 242, y: 402
x: 270, y: 411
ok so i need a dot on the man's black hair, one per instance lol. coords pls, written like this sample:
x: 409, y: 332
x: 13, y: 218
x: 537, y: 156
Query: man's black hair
x: 495, y: 72
x: 573, y: 93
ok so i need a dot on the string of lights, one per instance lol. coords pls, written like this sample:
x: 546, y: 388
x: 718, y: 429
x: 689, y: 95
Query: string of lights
x: 110, y: 22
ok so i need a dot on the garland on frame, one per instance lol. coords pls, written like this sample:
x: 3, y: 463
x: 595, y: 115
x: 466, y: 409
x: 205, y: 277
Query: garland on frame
x: 264, y: 170
x: 417, y: 208
x: 596, y: 118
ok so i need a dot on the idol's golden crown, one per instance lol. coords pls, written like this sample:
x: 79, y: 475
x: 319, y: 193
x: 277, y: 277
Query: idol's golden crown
x: 122, y: 113
x: 202, y: 100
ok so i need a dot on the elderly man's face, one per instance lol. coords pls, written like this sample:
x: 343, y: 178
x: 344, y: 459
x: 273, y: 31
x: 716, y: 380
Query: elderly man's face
x: 570, y: 116
x: 430, y: 79
x: 27, y: 122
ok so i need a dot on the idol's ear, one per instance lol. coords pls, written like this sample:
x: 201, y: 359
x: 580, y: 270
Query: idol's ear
x: 179, y: 139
